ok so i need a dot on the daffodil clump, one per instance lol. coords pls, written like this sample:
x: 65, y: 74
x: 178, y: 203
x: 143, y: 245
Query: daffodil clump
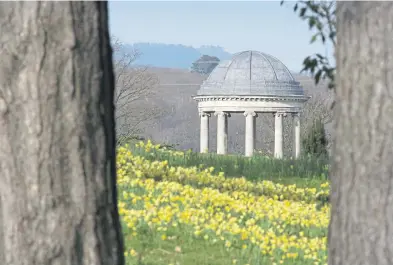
x: 137, y: 166
x: 150, y: 147
x: 282, y: 231
x: 168, y: 212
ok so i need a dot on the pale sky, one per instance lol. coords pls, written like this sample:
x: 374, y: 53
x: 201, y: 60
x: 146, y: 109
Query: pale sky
x: 236, y: 26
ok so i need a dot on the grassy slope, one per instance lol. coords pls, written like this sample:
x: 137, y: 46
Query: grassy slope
x: 182, y: 247
x: 305, y: 172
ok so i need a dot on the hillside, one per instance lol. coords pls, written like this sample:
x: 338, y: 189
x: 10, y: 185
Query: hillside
x: 172, y: 55
x: 180, y: 123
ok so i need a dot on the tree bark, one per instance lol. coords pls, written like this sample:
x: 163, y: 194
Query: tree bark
x: 57, y: 142
x: 361, y: 227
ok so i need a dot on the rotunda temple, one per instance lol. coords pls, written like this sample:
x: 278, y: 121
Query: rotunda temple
x: 251, y: 82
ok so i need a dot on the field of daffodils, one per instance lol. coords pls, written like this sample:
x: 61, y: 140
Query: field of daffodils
x: 184, y: 216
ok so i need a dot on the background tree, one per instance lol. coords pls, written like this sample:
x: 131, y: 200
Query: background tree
x: 362, y: 177
x: 205, y: 64
x: 315, y: 142
x: 58, y: 199
x: 133, y: 83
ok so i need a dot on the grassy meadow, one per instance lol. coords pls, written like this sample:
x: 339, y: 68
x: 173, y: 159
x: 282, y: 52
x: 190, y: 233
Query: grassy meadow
x: 183, y: 208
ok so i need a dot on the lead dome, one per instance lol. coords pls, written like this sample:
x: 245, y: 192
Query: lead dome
x: 251, y: 73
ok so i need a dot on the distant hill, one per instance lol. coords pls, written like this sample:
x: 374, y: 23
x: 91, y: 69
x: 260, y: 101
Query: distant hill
x: 217, y: 51
x: 173, y: 55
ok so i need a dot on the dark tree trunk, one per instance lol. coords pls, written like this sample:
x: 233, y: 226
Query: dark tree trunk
x: 57, y: 144
x: 361, y: 227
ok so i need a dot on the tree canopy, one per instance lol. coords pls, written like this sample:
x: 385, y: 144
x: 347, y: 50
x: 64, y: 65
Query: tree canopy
x: 321, y: 19
x: 205, y: 64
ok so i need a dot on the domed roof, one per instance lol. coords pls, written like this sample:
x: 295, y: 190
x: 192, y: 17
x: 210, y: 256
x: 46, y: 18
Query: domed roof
x: 251, y: 73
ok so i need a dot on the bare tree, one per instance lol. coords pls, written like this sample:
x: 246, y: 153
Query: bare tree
x: 360, y: 230
x: 58, y: 200
x: 318, y: 107
x: 133, y: 83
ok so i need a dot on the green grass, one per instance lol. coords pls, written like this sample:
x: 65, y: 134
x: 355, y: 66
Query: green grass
x: 183, y: 247
x: 304, y: 172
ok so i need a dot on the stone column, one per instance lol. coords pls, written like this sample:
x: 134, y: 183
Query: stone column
x: 250, y: 132
x: 278, y: 135
x: 255, y: 131
x: 204, y: 132
x: 296, y: 135
x: 222, y: 132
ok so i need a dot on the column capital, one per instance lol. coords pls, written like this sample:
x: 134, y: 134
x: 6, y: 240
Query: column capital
x: 280, y: 114
x: 295, y: 114
x: 250, y: 113
x: 222, y: 113
x: 204, y: 114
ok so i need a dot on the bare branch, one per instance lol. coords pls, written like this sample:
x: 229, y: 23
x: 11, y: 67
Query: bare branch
x: 133, y: 83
